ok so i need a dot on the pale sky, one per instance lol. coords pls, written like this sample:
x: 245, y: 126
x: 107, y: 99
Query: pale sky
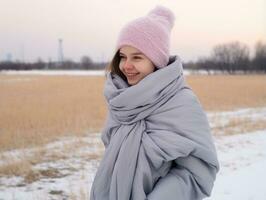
x: 31, y: 28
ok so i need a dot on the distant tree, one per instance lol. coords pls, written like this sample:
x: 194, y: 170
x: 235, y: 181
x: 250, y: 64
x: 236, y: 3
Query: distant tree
x: 231, y: 56
x: 86, y: 62
x: 259, y: 60
x: 68, y: 64
x: 206, y: 64
x: 39, y: 64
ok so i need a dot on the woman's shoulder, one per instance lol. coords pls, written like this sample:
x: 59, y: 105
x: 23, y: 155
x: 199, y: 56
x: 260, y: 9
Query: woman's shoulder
x: 185, y: 96
x: 184, y: 99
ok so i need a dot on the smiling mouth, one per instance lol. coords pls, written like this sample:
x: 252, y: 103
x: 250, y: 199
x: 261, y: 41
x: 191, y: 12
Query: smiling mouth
x: 132, y: 75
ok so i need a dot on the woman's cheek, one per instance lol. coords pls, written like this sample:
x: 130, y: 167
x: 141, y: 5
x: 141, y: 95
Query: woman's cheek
x: 121, y: 65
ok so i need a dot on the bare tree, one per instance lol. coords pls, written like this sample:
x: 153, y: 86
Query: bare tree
x: 206, y: 64
x: 231, y: 57
x: 86, y: 62
x: 259, y: 60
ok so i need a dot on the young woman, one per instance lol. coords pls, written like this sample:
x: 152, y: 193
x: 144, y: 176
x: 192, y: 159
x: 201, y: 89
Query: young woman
x: 158, y: 144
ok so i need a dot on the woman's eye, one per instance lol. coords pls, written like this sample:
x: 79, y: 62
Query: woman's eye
x: 135, y: 57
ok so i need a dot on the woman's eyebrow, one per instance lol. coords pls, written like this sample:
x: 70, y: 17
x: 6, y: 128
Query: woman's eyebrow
x: 137, y: 53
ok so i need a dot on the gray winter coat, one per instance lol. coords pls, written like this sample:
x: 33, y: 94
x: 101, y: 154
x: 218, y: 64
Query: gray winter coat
x: 158, y: 144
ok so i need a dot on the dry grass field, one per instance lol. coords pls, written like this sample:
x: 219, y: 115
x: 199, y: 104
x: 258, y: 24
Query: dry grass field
x: 37, y: 109
x: 228, y: 92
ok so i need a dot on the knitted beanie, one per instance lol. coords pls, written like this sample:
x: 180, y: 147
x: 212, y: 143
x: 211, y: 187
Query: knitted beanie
x: 150, y: 35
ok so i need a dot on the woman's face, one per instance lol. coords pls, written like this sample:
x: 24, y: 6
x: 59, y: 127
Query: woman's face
x: 134, y: 64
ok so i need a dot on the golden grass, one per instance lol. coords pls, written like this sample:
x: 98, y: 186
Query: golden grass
x: 23, y: 165
x: 228, y: 92
x: 36, y: 109
x: 16, y: 168
x: 239, y: 125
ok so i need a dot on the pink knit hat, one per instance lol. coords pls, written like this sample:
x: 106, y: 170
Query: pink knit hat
x: 150, y: 35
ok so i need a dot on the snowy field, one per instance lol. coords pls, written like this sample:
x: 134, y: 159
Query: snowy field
x: 242, y: 158
x: 241, y: 152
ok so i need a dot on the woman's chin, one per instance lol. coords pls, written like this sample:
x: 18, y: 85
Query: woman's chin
x: 132, y: 82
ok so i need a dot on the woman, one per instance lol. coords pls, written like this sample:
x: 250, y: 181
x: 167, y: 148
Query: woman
x: 158, y: 144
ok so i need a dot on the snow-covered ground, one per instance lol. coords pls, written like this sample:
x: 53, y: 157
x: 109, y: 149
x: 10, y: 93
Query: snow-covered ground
x: 54, y: 72
x: 241, y: 177
x: 68, y: 176
x: 86, y: 72
x: 243, y: 164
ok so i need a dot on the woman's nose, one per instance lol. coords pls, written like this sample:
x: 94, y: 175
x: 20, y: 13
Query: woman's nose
x: 128, y: 64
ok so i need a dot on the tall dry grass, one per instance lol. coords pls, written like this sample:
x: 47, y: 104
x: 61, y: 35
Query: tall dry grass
x: 41, y: 108
x: 36, y: 109
x: 228, y: 92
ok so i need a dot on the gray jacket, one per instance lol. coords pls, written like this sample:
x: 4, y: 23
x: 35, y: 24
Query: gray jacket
x: 158, y: 144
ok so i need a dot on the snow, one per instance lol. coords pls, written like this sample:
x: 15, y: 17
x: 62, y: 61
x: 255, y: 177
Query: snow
x: 221, y: 120
x: 76, y: 171
x: 243, y: 163
x: 78, y: 72
x: 242, y: 160
x: 54, y: 72
x: 246, y: 183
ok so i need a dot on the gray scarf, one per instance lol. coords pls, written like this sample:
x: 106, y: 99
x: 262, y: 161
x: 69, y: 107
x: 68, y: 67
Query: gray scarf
x: 148, y: 126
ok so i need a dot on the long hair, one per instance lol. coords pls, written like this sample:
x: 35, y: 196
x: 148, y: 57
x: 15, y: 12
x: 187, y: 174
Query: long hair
x: 113, y: 66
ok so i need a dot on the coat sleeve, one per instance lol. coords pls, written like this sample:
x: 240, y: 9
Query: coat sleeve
x: 189, y: 179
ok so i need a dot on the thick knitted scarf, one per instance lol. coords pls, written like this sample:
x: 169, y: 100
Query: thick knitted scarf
x: 149, y: 125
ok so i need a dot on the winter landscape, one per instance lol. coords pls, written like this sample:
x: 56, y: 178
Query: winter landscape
x: 53, y: 61
x: 64, y: 167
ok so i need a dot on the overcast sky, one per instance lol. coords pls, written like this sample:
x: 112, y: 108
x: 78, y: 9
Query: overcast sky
x: 31, y: 28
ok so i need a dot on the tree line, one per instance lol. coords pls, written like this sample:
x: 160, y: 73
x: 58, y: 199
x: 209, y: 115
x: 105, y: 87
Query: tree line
x: 85, y: 63
x: 233, y: 57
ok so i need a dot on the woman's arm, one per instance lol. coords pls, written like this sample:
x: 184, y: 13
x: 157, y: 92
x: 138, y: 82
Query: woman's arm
x: 189, y: 179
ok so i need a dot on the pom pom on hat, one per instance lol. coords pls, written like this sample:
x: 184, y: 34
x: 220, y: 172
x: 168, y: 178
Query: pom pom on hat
x: 165, y: 14
x: 150, y: 35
